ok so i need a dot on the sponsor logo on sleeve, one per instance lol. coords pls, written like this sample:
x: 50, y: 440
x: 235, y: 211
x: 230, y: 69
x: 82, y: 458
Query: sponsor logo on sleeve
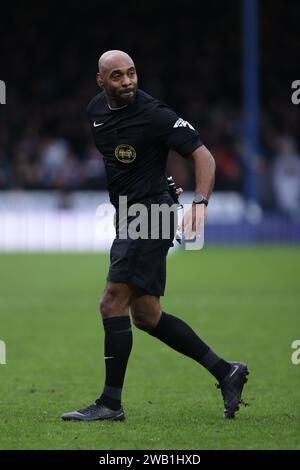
x: 181, y: 123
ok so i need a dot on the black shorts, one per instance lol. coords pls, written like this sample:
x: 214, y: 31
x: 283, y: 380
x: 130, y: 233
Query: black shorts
x: 142, y: 262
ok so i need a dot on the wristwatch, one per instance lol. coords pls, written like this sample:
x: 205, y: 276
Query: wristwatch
x: 199, y: 199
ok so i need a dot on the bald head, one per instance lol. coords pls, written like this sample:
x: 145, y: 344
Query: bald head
x: 114, y: 59
x: 117, y: 77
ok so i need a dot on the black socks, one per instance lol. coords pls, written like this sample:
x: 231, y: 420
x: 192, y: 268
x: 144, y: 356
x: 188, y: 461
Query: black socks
x: 117, y: 348
x: 170, y: 330
x: 179, y: 336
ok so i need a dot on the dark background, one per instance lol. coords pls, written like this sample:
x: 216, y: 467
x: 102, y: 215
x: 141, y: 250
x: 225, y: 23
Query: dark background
x: 187, y: 53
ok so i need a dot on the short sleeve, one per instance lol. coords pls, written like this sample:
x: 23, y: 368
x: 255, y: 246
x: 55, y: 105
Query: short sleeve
x: 175, y: 132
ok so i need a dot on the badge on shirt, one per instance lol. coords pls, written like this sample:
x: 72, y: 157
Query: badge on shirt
x: 125, y: 153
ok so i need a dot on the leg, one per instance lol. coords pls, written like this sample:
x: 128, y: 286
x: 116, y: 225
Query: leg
x: 116, y: 299
x: 147, y: 315
x: 118, y: 343
x: 146, y: 312
x: 114, y: 309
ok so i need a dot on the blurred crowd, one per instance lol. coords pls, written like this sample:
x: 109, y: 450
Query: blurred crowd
x: 49, y: 62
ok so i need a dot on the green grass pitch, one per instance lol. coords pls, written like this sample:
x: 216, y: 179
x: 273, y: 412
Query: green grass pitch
x: 244, y: 302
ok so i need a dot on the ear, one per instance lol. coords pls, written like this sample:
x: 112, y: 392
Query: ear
x: 99, y: 80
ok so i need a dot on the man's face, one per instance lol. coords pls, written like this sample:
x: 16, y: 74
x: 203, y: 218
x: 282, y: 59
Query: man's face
x: 119, y: 83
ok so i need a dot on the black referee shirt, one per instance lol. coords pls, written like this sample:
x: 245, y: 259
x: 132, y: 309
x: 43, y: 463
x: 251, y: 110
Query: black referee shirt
x: 135, y: 141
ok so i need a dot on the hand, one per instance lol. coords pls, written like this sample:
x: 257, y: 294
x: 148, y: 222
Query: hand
x: 192, y: 223
x: 179, y: 191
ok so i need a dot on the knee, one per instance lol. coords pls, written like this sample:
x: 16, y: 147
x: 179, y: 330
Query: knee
x: 143, y: 321
x: 105, y: 307
x: 110, y: 304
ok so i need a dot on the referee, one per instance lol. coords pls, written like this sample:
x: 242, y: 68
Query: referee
x: 134, y: 132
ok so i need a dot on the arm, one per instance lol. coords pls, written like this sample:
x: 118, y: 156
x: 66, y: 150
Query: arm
x: 204, y: 165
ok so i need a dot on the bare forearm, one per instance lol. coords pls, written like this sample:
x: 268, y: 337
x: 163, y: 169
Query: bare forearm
x: 204, y: 165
